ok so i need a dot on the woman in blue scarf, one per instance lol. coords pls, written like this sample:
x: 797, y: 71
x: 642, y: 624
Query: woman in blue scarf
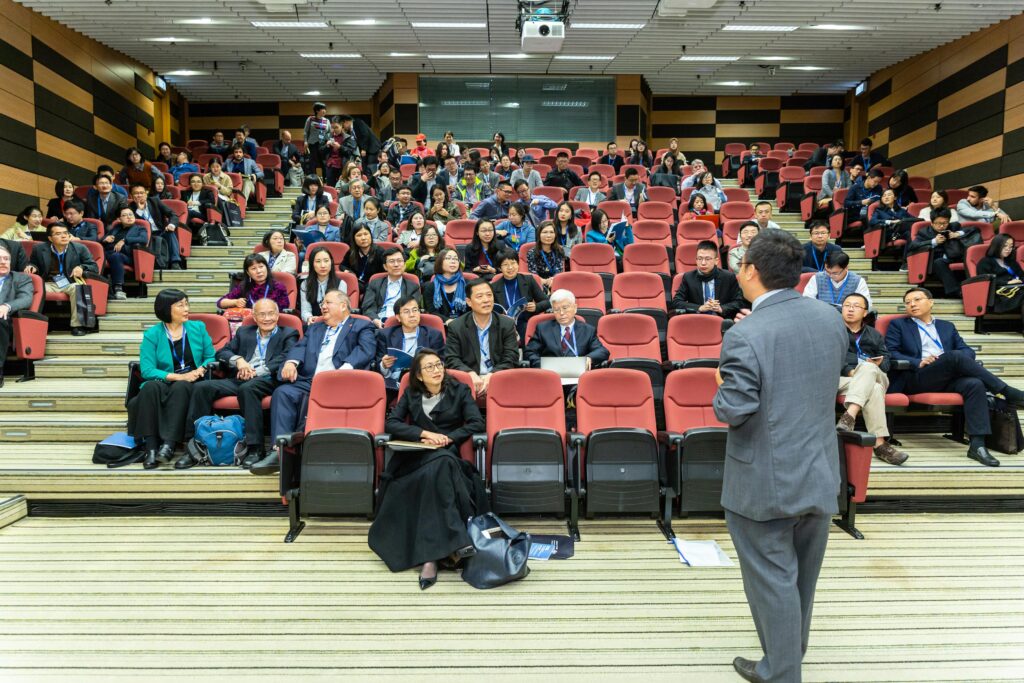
x: 445, y: 294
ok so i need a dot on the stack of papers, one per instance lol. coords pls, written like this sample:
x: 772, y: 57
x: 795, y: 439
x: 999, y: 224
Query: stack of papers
x: 701, y: 553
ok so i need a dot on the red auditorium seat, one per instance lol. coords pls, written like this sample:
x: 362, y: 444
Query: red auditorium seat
x: 655, y: 211
x: 1014, y: 229
x: 351, y: 285
x: 768, y: 177
x: 790, y: 189
x: 606, y: 170
x: 695, y: 231
x: 642, y: 257
x: 978, y: 290
x: 837, y: 221
x: 736, y: 211
x: 588, y: 288
x: 653, y: 232
x: 332, y: 468
x: 809, y: 200
x: 459, y: 231
x: 592, y: 257
x: 873, y: 236
x: 555, y: 194
x: 29, y: 327
x: 227, y: 404
x: 662, y: 194
x: 641, y: 293
x: 731, y: 161
x: 694, y: 340
x: 216, y: 326
x: 617, y: 210
x: 143, y: 264
x: 426, y: 319
x: 273, y: 173
x: 290, y: 285
x: 736, y: 194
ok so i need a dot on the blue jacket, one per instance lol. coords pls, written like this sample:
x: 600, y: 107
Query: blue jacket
x: 394, y: 338
x: 904, y: 343
x: 490, y: 208
x: 858, y: 193
x: 513, y: 240
x: 357, y: 347
x: 248, y: 167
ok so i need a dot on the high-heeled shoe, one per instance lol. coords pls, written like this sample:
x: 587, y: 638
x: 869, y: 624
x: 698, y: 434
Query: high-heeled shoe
x: 150, y: 462
x: 427, y: 583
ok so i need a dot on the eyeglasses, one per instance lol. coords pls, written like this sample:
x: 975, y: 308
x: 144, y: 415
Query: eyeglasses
x: 705, y: 259
x: 432, y: 367
x: 265, y: 314
x: 853, y: 307
x: 409, y: 311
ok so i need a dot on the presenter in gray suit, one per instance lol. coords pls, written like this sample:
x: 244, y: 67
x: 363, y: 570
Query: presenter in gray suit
x: 781, y: 483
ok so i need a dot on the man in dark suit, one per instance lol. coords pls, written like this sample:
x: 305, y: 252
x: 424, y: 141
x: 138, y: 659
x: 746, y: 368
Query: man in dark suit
x: 162, y: 221
x: 105, y: 204
x: 481, y: 342
x: 378, y: 302
x: 818, y: 249
x: 422, y: 184
x: 337, y: 342
x: 941, y: 361
x: 821, y: 156
x: 562, y: 176
x: 709, y: 289
x: 946, y: 242
x: 781, y: 476
x: 74, y: 219
x: 366, y: 141
x: 255, y: 356
x: 19, y: 260
x: 565, y: 336
x: 866, y: 156
x: 15, y: 295
x: 284, y: 148
x: 59, y: 262
x: 611, y: 157
x: 631, y: 190
x: 410, y: 336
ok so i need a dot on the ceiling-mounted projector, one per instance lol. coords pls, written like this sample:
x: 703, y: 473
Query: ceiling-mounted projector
x: 542, y: 36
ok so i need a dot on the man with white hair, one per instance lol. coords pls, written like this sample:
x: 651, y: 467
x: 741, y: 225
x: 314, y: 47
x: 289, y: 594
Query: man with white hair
x: 15, y: 295
x: 697, y: 169
x: 565, y: 336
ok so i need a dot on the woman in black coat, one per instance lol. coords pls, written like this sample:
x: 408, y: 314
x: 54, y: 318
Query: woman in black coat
x: 1009, y: 274
x: 427, y: 495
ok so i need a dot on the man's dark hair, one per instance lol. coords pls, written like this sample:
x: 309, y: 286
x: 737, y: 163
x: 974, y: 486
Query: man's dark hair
x: 240, y: 130
x: 96, y: 178
x: 839, y: 143
x: 609, y: 145
x: 859, y: 296
x: 427, y: 161
x: 875, y: 173
x: 817, y: 223
x: 104, y: 168
x: 520, y: 183
x: 942, y: 213
x: 837, y: 258
x: 867, y: 142
x: 390, y: 251
x: 980, y: 190
x: 471, y: 167
x: 778, y: 257
x: 478, y: 282
x: 402, y: 301
x: 760, y: 203
x: 857, y: 163
x: 707, y: 245
x: 505, y: 183
x: 74, y: 204
x: 163, y: 302
x: 317, y: 106
x: 342, y: 118
x: 51, y: 226
x: 594, y: 173
x: 506, y: 255
x: 131, y: 188
x: 404, y: 186
x: 237, y: 146
x: 922, y: 290
x: 474, y: 155
x: 630, y: 172
x: 562, y: 155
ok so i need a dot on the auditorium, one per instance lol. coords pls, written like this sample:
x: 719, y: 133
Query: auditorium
x: 747, y: 278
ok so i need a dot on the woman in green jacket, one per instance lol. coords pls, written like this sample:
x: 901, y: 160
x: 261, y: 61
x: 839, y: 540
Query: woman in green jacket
x: 172, y: 357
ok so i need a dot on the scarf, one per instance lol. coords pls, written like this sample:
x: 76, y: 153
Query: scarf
x: 459, y: 302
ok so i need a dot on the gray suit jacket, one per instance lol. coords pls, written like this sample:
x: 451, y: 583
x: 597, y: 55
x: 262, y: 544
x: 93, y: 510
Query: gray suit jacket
x: 779, y: 369
x: 17, y: 291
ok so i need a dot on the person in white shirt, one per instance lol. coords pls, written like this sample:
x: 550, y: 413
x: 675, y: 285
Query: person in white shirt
x: 527, y: 173
x: 763, y: 216
x: 833, y: 284
x: 592, y: 194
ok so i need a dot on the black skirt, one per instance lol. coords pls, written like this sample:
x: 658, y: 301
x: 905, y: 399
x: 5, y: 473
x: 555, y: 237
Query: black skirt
x: 1009, y: 304
x: 426, y: 498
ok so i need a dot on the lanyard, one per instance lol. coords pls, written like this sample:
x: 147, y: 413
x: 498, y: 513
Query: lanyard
x: 929, y: 335
x: 514, y: 232
x: 547, y: 263
x: 365, y: 258
x: 709, y: 289
x: 388, y: 299
x: 832, y: 290
x: 261, y: 349
x: 510, y: 298
x: 482, y: 335
x: 178, y: 362
x: 856, y: 342
x: 487, y: 256
x: 60, y: 258
x: 330, y: 335
x: 266, y: 293
x: 814, y: 254
x: 450, y: 301
x: 571, y: 344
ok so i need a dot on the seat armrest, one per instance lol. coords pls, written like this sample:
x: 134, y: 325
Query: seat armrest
x: 381, y: 439
x: 480, y: 450
x: 978, y: 278
x: 857, y: 438
x: 291, y: 440
x: 575, y: 441
x: 900, y: 364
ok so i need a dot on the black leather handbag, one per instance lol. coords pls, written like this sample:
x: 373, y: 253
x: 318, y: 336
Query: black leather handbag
x: 1007, y: 436
x: 501, y: 552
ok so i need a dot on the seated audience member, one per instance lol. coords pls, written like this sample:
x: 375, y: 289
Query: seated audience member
x: 630, y: 190
x: 697, y: 207
x: 516, y: 294
x: 667, y: 172
x: 137, y: 171
x: 499, y: 147
x: 504, y: 167
x: 834, y: 178
x: 471, y: 188
x: 108, y: 171
x: 836, y: 282
x: 561, y: 175
x: 449, y: 175
x: 371, y: 219
x: 351, y: 173
x: 709, y: 289
x: 487, y: 175
x: 243, y: 140
x: 220, y: 145
x: 540, y: 206
x: 565, y: 337
x: 364, y: 258
x: 751, y: 160
x: 495, y: 207
x: 118, y: 242
x: 64, y: 191
x: 697, y: 169
x: 948, y: 244
x: 823, y: 155
x: 546, y: 258
x: 593, y: 195
x: 426, y: 496
x: 253, y: 357
x: 219, y: 179
x: 611, y: 157
x: 641, y: 155
x: 198, y: 199
x: 387, y: 186
x: 481, y: 342
x: 528, y: 173
x: 74, y: 220
x: 19, y: 259
x: 403, y: 208
x: 173, y: 356
x: 763, y: 216
x: 453, y: 147
x: 410, y: 336
x: 899, y: 182
x: 442, y: 209
x: 516, y: 230
x: 352, y: 204
x: 256, y: 284
x: 673, y: 149
x: 321, y: 277
x: 245, y: 167
x: 284, y: 148
x: 422, y: 258
x: 16, y: 294
x: 938, y: 200
x: 183, y: 165
x: 862, y: 194
x: 378, y: 304
x: 322, y: 223
x: 864, y: 379
x: 978, y: 207
x: 159, y: 189
x: 482, y: 251
x: 338, y: 341
x: 294, y: 171
x: 942, y: 362
x: 422, y: 148
x: 714, y: 194
x: 104, y: 204
x: 279, y: 259
x: 816, y: 251
x: 867, y: 157
x: 163, y: 154
x: 1001, y: 263
x: 894, y: 220
x: 163, y: 223
x: 445, y: 295
x: 569, y: 233
x: 29, y: 220
x: 410, y: 236
x: 748, y: 231
x: 602, y: 231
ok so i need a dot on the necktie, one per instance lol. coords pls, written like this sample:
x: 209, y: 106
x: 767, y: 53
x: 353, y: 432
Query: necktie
x: 565, y: 341
x: 356, y: 206
x: 708, y: 294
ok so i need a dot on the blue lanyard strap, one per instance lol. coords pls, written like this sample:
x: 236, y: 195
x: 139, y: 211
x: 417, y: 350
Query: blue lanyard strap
x: 856, y: 342
x: 820, y: 266
x: 261, y: 349
x: 511, y: 293
x: 330, y: 335
x: 930, y: 336
x: 842, y: 290
x: 571, y: 344
x: 60, y: 258
x: 178, y: 362
x: 547, y: 263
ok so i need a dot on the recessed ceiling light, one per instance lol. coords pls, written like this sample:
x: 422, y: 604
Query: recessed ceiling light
x: 773, y: 59
x: 402, y: 54
x: 464, y: 103
x: 840, y: 27
x: 592, y: 58
x: 362, y: 22
x: 764, y: 28
x: 706, y: 58
x: 472, y: 56
x: 168, y: 39
x: 733, y: 84
x: 312, y: 92
x: 330, y: 55
x: 201, y: 21
x: 517, y: 55
x: 806, y: 68
x: 448, y: 24
x: 565, y: 104
x: 187, y: 72
x: 608, y: 27
x: 289, y: 24
x: 510, y: 105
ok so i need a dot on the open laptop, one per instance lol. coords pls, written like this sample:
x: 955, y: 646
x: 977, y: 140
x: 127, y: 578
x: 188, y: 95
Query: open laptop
x: 568, y: 368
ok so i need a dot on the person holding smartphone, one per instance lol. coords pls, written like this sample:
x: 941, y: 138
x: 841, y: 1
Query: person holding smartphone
x: 864, y: 380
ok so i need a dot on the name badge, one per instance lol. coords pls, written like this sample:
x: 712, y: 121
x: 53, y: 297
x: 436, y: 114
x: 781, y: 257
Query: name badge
x: 61, y: 281
x: 488, y: 365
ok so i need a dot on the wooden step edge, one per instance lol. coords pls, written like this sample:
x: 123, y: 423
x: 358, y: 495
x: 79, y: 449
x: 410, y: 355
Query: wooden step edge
x: 12, y: 509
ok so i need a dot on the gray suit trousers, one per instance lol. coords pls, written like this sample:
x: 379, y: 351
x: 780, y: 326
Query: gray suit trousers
x: 780, y: 560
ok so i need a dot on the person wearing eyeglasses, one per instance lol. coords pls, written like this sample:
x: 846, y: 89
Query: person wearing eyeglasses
x: 253, y: 357
x: 817, y: 250
x: 940, y: 361
x: 864, y: 379
x: 409, y: 336
x: 382, y: 293
x: 481, y: 342
x: 836, y: 282
x: 709, y: 289
x: 565, y: 337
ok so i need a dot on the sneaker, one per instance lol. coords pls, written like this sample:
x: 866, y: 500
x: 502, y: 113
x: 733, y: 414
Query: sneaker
x: 176, y: 266
x: 119, y: 294
x: 888, y: 453
x: 846, y: 423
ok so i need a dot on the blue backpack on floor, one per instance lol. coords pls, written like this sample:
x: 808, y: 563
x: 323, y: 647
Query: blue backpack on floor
x: 219, y: 440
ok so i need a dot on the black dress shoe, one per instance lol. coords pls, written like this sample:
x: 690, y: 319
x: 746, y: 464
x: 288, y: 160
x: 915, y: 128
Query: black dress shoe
x: 746, y: 669
x: 252, y: 456
x: 427, y: 583
x: 268, y: 465
x: 78, y: 332
x: 1015, y: 397
x: 186, y: 461
x: 982, y: 455
x: 150, y: 462
x: 1, y: 381
x: 165, y: 453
